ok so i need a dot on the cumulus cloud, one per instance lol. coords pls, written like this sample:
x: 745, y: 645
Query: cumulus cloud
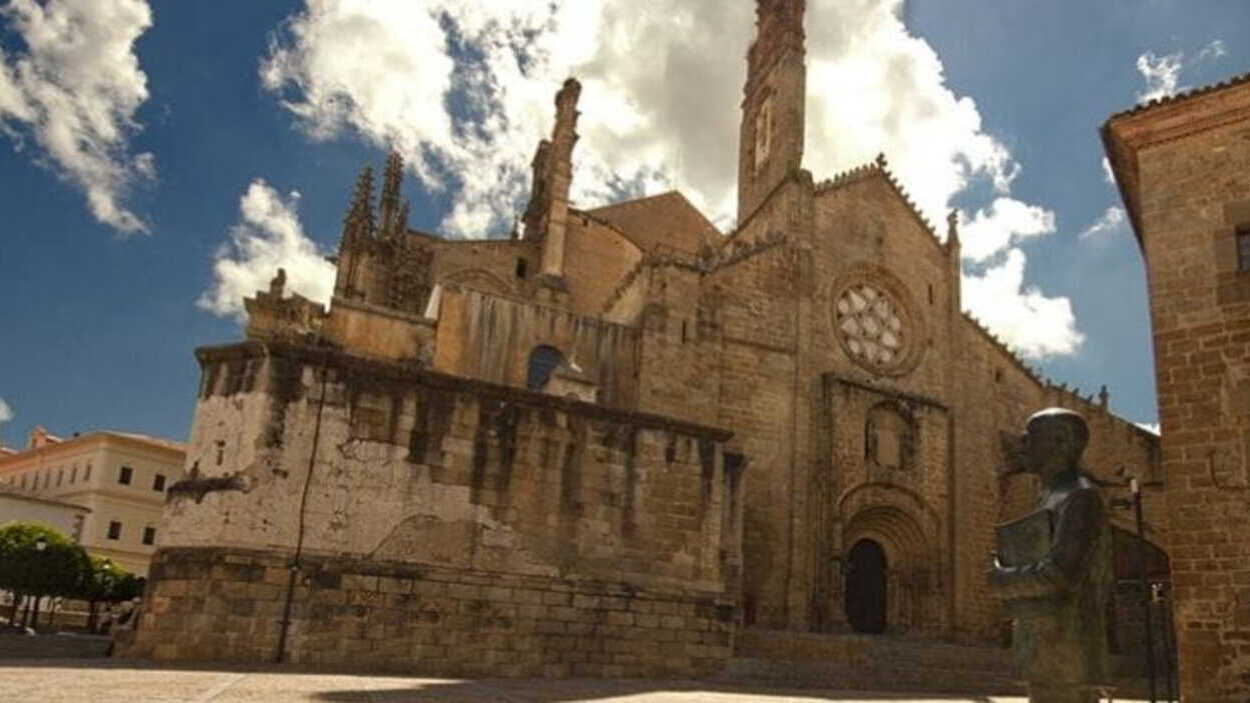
x: 6, y: 412
x: 1162, y: 75
x: 1111, y: 220
x: 1107, y: 174
x: 464, y: 91
x: 1005, y: 222
x: 74, y: 90
x: 1036, y: 326
x: 1151, y: 427
x: 268, y: 236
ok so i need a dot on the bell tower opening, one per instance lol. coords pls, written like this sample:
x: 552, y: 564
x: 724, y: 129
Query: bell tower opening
x: 865, y: 596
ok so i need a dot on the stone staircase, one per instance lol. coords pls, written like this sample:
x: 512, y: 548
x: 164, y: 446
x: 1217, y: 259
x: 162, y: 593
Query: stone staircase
x: 868, y: 662
x: 884, y: 663
x: 52, y: 646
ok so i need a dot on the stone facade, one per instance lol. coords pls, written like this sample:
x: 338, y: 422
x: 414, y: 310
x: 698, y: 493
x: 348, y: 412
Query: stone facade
x: 1184, y: 170
x: 622, y: 400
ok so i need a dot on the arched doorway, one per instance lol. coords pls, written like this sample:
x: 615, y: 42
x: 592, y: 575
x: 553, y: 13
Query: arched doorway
x: 865, y: 596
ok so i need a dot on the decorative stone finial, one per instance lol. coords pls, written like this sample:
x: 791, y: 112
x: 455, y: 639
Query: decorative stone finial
x: 278, y: 283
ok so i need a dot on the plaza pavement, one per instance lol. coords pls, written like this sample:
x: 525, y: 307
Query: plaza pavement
x: 109, y: 680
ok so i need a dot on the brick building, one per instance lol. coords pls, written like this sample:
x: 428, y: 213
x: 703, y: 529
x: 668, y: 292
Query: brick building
x: 606, y: 445
x: 1183, y: 166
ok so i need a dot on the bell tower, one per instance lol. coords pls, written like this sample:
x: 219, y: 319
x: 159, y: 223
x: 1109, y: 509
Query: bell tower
x: 770, y: 144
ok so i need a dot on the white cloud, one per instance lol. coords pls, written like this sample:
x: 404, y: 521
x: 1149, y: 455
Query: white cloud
x: 1005, y: 222
x: 75, y: 89
x: 1107, y: 174
x: 1037, y: 326
x: 6, y: 412
x: 1162, y: 74
x: 1111, y: 220
x: 269, y: 236
x: 464, y: 90
x: 1214, y: 50
x: 1151, y: 427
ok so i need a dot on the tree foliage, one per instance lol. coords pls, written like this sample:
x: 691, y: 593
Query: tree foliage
x: 105, y: 581
x: 56, y: 570
x: 61, y: 568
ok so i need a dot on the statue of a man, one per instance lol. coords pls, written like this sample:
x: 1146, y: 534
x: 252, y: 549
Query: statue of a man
x: 1053, y: 568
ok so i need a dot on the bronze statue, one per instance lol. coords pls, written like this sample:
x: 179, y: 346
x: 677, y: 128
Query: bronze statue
x: 1053, y: 566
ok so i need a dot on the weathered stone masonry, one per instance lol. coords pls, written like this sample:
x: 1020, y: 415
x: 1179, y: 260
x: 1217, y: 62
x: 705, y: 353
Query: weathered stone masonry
x: 449, y: 525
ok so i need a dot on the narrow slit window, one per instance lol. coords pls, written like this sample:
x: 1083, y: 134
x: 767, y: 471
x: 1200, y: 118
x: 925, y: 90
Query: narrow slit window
x: 1243, y: 248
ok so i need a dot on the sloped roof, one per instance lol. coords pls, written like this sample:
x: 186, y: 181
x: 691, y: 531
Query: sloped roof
x: 1167, y: 119
x: 880, y: 169
x: 1181, y: 97
x: 664, y: 220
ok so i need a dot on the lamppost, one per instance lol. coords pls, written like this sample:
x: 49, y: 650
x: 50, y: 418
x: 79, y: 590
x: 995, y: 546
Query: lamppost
x: 32, y: 616
x: 1146, y: 587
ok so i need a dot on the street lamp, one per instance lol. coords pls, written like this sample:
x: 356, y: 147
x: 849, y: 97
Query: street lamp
x: 1147, y: 590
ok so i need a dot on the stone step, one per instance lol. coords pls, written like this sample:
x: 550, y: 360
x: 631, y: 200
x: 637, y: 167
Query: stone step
x: 885, y: 677
x: 52, y: 646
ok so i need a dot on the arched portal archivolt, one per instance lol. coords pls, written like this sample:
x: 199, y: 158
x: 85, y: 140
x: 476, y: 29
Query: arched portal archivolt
x: 907, y: 530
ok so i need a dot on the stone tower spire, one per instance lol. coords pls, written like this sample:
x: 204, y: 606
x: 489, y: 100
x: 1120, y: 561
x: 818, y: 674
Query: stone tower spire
x: 357, y: 227
x: 770, y: 145
x: 546, y: 217
x: 390, y: 205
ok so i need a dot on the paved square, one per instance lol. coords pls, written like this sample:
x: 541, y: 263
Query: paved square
x: 106, y: 681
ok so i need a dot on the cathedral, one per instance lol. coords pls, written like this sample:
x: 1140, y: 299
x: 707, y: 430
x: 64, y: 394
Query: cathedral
x: 620, y: 442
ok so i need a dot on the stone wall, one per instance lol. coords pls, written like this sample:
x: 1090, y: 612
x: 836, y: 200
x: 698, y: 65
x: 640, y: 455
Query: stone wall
x: 338, y: 465
x: 228, y: 604
x: 1184, y: 168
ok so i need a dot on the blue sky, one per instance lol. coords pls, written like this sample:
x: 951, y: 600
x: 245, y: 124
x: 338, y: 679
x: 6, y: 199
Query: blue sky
x: 158, y: 159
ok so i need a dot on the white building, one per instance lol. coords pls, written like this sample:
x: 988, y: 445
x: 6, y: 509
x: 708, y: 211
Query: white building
x: 119, y: 478
x: 17, y: 505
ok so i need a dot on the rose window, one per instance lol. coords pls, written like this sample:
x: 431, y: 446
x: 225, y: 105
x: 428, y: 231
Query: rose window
x: 870, y: 326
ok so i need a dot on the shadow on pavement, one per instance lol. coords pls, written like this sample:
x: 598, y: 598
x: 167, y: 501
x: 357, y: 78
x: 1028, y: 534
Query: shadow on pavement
x: 412, y: 687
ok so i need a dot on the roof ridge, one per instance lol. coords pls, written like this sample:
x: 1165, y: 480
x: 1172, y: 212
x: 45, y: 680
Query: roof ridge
x: 1182, y: 96
x: 879, y: 166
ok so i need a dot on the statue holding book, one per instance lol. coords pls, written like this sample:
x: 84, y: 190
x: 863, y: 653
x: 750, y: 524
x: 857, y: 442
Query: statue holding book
x: 1053, y: 566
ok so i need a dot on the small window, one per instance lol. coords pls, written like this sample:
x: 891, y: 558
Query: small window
x: 60, y: 477
x: 158, y: 483
x: 1243, y: 248
x: 149, y: 535
x: 543, y: 360
x: 115, y: 530
x: 73, y: 474
x: 125, y: 475
x: 23, y: 480
x: 87, y: 474
x: 522, y: 267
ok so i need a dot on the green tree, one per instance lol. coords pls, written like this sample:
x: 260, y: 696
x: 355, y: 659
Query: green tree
x: 37, y: 561
x: 105, y: 582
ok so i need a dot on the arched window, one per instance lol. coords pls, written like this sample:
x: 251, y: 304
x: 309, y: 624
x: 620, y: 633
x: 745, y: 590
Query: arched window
x: 543, y: 360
